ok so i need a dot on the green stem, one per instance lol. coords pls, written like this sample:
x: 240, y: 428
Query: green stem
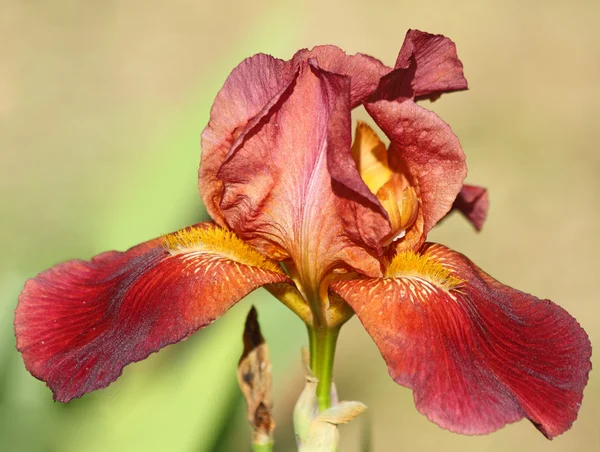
x: 322, y: 351
x: 262, y: 447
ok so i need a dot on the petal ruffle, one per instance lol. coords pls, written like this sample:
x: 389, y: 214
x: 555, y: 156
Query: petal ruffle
x: 79, y: 323
x: 364, y: 71
x: 251, y: 87
x: 424, y: 146
x: 473, y: 202
x: 291, y: 188
x: 437, y: 67
x: 477, y: 354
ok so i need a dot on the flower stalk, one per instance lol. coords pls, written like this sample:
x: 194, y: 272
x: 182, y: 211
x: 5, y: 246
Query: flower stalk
x: 322, y: 342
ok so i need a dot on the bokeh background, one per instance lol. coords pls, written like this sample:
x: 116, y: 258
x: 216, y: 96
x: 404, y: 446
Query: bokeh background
x: 101, y: 109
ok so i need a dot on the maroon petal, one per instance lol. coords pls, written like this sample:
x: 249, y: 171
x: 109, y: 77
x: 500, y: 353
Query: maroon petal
x: 473, y: 202
x: 424, y: 146
x: 291, y: 188
x: 437, y: 67
x: 79, y: 323
x: 364, y: 71
x: 477, y: 354
x: 251, y: 87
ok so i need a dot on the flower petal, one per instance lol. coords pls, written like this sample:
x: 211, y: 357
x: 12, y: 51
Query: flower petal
x: 370, y: 155
x: 425, y: 147
x: 473, y: 202
x: 391, y: 187
x: 254, y: 86
x: 291, y: 188
x: 251, y: 87
x: 438, y: 69
x: 364, y: 71
x: 79, y: 323
x: 477, y: 354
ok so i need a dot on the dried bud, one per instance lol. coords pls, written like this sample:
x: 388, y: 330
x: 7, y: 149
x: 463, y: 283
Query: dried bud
x: 254, y: 379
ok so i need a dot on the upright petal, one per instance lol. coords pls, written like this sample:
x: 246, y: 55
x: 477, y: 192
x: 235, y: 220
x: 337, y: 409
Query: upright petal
x: 251, y: 87
x: 473, y: 202
x: 394, y: 188
x: 79, y: 323
x: 291, y: 188
x: 426, y: 153
x: 477, y: 354
x: 437, y: 67
x: 370, y: 155
x: 364, y: 71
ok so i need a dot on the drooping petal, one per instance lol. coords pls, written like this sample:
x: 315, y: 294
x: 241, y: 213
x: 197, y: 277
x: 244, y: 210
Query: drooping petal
x: 364, y: 70
x: 437, y: 67
x: 251, y: 87
x: 291, y: 188
x: 473, y: 202
x: 426, y: 153
x: 477, y: 354
x: 79, y: 323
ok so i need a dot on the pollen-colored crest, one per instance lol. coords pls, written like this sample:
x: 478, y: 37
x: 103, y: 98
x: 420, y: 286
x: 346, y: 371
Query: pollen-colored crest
x: 410, y: 264
x: 217, y: 240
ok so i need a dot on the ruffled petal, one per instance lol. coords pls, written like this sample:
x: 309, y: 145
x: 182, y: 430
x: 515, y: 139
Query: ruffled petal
x: 79, y: 323
x: 251, y: 87
x: 473, y: 202
x: 425, y: 151
x: 437, y: 67
x: 291, y: 188
x: 477, y: 354
x: 364, y: 70
x: 254, y: 86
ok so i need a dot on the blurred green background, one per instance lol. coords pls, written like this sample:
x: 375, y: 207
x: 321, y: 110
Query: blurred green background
x: 101, y: 109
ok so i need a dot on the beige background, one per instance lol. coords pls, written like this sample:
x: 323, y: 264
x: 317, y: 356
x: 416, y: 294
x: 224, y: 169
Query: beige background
x: 101, y: 108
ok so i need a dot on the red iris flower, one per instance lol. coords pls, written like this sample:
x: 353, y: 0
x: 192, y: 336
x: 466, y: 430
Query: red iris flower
x: 332, y: 229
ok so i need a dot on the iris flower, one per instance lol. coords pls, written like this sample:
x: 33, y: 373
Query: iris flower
x: 331, y: 228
